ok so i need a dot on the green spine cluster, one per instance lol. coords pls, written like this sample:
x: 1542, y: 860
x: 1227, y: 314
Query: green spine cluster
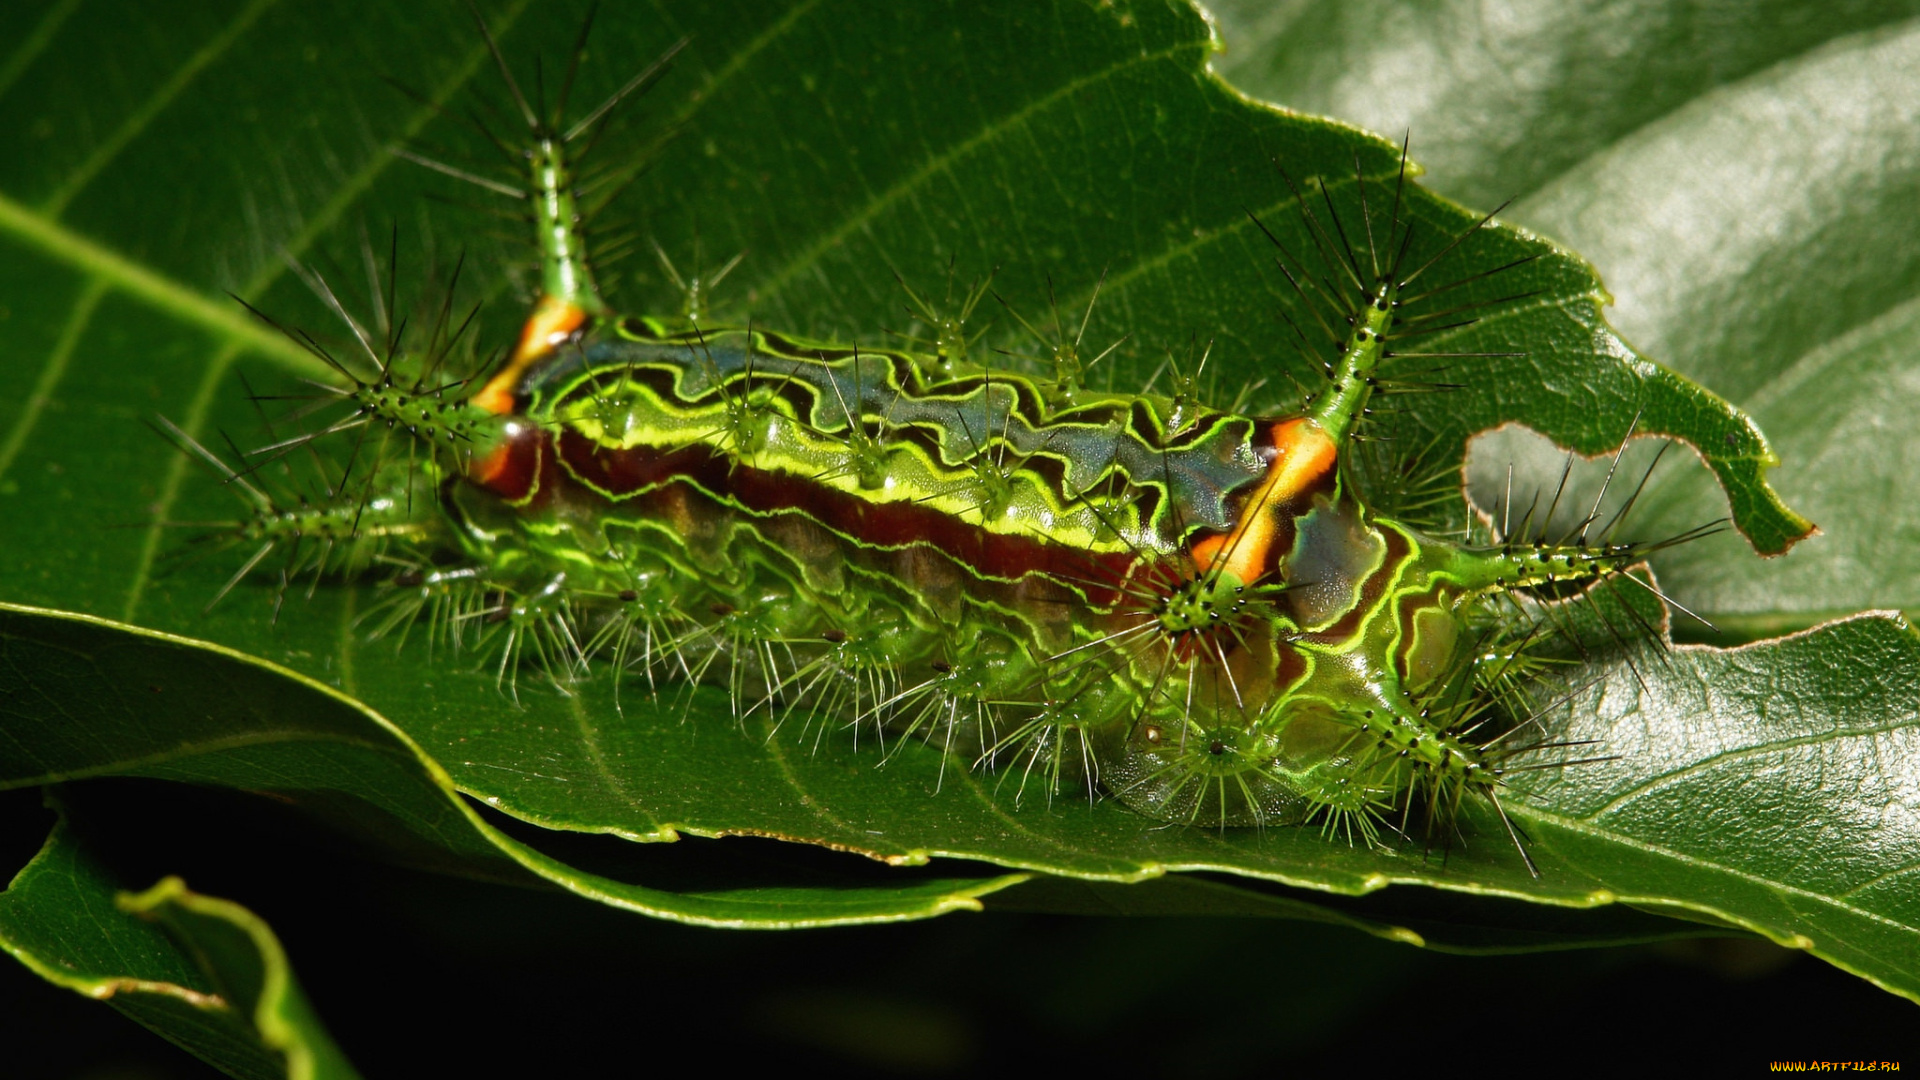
x: 1017, y: 568
x: 1335, y: 688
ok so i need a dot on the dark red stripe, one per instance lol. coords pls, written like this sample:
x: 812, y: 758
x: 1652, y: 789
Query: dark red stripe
x: 518, y: 468
x: 591, y: 471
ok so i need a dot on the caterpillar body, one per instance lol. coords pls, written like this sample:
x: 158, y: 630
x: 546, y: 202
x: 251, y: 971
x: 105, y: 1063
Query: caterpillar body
x: 1195, y: 610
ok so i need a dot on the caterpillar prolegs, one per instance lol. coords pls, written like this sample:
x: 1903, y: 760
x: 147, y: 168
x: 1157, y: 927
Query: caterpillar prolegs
x: 1198, y: 611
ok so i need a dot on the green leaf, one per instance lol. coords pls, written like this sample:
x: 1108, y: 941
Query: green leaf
x: 87, y: 698
x: 200, y: 971
x: 833, y: 143
x: 1744, y: 186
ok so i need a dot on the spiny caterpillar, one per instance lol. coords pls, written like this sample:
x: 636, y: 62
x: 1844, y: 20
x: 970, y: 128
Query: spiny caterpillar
x: 1193, y: 609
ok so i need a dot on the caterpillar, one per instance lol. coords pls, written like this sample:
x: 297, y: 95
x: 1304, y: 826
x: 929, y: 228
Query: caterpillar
x: 1201, y: 612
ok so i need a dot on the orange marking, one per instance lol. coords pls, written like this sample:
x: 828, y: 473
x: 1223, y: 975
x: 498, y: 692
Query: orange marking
x: 1302, y: 454
x: 551, y: 323
x: 486, y: 470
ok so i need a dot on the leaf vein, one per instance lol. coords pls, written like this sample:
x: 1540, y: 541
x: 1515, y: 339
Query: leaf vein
x: 150, y: 109
x: 943, y: 163
x: 52, y: 373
